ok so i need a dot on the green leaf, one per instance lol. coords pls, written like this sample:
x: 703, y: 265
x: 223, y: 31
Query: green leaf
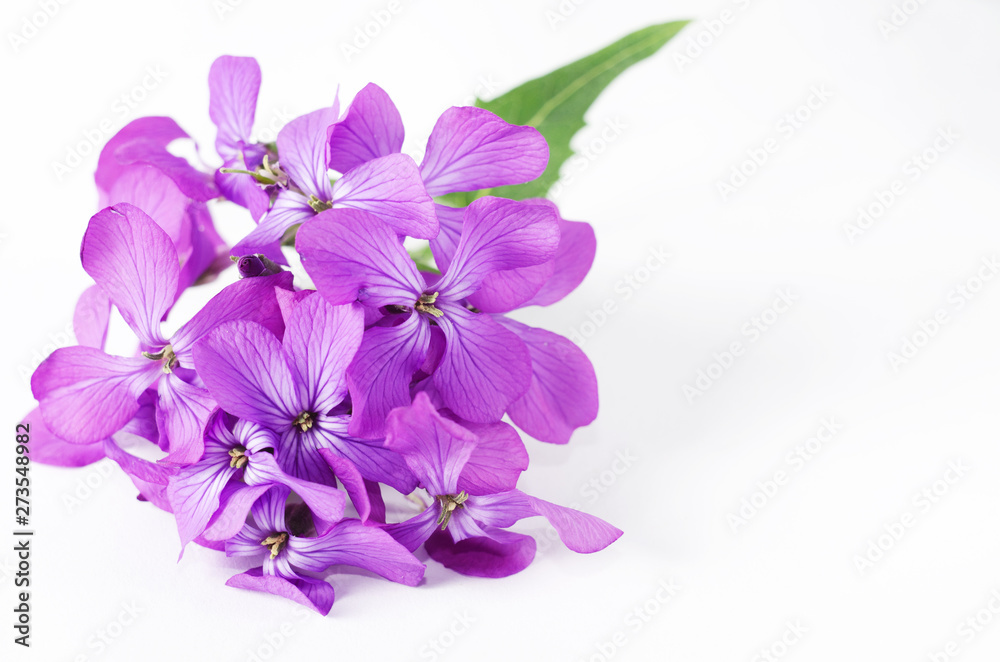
x: 556, y: 103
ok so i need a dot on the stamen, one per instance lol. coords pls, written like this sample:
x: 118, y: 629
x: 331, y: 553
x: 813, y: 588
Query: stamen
x: 319, y: 205
x: 304, y: 421
x: 239, y: 457
x: 166, y: 355
x: 450, y: 502
x: 425, y: 304
x: 277, y: 542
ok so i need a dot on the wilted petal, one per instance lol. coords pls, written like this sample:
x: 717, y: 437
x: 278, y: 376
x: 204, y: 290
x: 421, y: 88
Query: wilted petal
x: 471, y: 149
x: 389, y: 187
x: 370, y: 128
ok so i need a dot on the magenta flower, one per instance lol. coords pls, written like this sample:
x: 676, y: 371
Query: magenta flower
x: 87, y: 395
x: 482, y: 367
x: 237, y: 467
x: 464, y: 527
x: 285, y: 553
x: 295, y: 388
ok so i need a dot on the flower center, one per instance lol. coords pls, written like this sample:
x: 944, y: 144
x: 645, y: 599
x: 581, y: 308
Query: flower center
x: 304, y: 421
x: 449, y: 503
x: 319, y: 205
x: 425, y: 304
x: 239, y: 457
x: 166, y: 355
x: 276, y: 541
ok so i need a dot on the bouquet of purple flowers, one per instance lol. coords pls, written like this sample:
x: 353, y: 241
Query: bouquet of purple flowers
x: 282, y: 410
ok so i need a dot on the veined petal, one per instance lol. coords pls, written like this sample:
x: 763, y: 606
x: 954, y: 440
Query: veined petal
x: 91, y: 317
x: 471, y: 149
x: 47, y: 448
x: 352, y: 543
x: 325, y: 502
x: 389, y: 187
x: 412, y: 533
x: 351, y: 479
x: 485, y: 366
x: 496, y: 462
x: 499, y: 234
x: 137, y: 468
x: 86, y: 395
x: 250, y: 299
x: 242, y: 188
x: 149, y: 189
x: 154, y: 133
x: 194, y: 494
x: 353, y: 256
x: 503, y: 291
x: 575, y: 255
x: 435, y: 448
x: 289, y: 208
x: 134, y: 262
x: 233, y: 85
x: 181, y: 413
x: 444, y: 245
x: 244, y: 367
x: 320, y: 341
x: 379, y: 377
x: 302, y: 151
x: 370, y: 128
x: 269, y: 510
x: 235, y: 503
x: 563, y: 391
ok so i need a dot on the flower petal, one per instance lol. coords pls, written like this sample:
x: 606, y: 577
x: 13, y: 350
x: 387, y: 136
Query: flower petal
x: 370, y: 128
x: 302, y: 151
x: 485, y: 366
x: 290, y: 208
x: 86, y: 395
x: 501, y: 554
x: 351, y: 479
x: 497, y: 461
x: 353, y: 256
x: 233, y: 85
x: 135, y: 263
x: 471, y: 149
x: 91, y: 317
x: 305, y: 591
x: 194, y: 494
x: 325, y: 502
x: 499, y: 234
x: 181, y: 414
x: 389, y: 187
x: 563, y: 391
x: 47, y: 448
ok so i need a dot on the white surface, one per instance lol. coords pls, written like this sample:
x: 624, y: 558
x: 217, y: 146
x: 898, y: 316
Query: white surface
x: 654, y: 185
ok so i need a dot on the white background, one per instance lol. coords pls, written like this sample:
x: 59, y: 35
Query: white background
x: 654, y: 186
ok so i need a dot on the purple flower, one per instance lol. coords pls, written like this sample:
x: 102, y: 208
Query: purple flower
x: 87, y: 395
x: 389, y: 187
x: 295, y: 388
x: 482, y: 366
x: 279, y: 543
x: 237, y: 467
x: 464, y: 527
x: 135, y: 167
